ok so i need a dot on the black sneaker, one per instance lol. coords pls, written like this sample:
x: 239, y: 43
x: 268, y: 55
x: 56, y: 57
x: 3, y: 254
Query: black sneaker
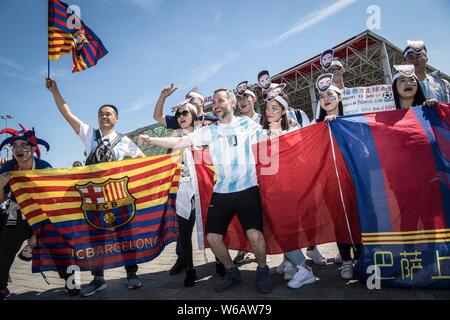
x: 177, y: 268
x: 232, y: 277
x: 220, y: 269
x: 263, y: 280
x: 191, y: 277
x: 72, y: 292
x: 95, y: 286
x: 242, y: 257
x: 133, y: 281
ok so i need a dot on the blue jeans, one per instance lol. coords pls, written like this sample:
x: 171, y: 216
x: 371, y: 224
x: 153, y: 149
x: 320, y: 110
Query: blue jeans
x: 295, y: 257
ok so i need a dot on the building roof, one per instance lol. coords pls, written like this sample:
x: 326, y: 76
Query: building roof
x: 364, y: 58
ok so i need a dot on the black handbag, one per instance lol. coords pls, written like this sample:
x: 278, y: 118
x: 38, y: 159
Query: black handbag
x: 103, y: 152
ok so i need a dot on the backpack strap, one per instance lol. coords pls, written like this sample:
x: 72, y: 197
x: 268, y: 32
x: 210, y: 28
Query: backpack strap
x: 98, y: 137
x: 116, y: 141
x: 299, y: 117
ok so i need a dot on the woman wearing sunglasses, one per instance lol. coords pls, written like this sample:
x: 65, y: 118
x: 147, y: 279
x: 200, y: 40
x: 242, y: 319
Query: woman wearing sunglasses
x: 187, y: 198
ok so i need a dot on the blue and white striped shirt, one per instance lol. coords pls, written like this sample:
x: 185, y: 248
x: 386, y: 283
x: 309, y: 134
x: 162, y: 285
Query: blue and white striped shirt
x: 230, y: 146
x: 434, y: 89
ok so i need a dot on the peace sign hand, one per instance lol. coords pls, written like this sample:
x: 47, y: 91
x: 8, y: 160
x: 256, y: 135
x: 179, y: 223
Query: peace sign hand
x: 168, y: 91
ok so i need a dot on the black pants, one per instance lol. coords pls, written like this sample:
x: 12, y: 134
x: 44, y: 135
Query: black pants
x: 185, y: 238
x: 345, y: 249
x: 11, y: 240
x: 179, y: 249
x: 2, y: 222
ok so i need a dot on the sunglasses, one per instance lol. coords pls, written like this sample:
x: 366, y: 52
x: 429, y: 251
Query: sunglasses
x: 415, y: 56
x: 184, y: 113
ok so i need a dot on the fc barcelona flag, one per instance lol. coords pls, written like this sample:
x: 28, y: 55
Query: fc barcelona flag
x: 400, y: 166
x: 101, y: 216
x: 67, y: 33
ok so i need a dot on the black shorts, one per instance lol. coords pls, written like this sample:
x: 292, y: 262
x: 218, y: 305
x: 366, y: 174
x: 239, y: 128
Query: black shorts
x: 246, y: 204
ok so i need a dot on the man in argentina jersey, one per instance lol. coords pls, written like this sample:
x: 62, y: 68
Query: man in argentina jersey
x: 236, y: 190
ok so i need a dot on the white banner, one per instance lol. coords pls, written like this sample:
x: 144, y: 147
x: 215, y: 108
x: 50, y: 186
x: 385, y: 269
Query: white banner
x: 368, y: 99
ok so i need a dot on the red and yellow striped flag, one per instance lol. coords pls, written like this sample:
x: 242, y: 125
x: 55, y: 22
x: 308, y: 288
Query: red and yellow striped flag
x: 105, y: 215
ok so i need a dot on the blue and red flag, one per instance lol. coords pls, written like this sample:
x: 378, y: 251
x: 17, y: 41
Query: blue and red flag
x: 399, y: 162
x: 392, y: 194
x: 67, y: 33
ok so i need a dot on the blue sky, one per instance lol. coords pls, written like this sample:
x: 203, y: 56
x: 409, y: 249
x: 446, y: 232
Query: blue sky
x: 204, y: 43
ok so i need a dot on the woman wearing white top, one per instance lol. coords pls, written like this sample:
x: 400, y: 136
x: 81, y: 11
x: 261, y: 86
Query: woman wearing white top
x: 187, y: 204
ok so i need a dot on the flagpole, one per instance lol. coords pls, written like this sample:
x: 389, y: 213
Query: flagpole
x: 48, y: 23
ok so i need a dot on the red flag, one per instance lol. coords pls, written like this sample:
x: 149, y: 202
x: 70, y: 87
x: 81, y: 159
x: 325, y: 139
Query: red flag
x: 301, y: 200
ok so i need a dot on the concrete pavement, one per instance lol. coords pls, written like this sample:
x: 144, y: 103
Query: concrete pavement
x: 158, y: 284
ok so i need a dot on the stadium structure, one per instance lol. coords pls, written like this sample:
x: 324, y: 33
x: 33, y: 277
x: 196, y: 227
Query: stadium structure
x: 368, y: 60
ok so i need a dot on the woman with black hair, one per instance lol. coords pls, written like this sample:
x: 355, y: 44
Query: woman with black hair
x: 330, y: 99
x: 407, y: 91
x: 330, y: 104
x: 276, y: 123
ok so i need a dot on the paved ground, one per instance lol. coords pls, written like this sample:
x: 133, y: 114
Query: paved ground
x: 158, y: 284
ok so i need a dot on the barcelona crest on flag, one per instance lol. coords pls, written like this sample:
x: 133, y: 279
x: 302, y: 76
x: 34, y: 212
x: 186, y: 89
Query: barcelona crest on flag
x: 108, y: 205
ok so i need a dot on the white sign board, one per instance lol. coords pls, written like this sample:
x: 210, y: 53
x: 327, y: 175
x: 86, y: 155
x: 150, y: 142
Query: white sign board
x: 368, y: 99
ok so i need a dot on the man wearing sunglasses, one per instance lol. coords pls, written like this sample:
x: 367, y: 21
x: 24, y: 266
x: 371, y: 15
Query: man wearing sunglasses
x: 433, y: 85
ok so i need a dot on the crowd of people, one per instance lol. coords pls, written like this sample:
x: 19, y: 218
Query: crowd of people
x: 229, y: 138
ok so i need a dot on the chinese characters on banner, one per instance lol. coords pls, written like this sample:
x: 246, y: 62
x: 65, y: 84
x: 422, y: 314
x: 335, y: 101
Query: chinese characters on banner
x: 368, y: 99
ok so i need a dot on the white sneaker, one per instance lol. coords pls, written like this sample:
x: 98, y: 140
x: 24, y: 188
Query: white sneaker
x: 303, y: 276
x: 347, y: 270
x: 280, y: 268
x: 316, y: 257
x: 289, y: 271
x: 338, y: 259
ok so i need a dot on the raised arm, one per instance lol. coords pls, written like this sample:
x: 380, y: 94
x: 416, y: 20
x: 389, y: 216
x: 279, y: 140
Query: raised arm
x: 167, y: 142
x: 158, y: 114
x: 63, y: 107
x: 4, y: 179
